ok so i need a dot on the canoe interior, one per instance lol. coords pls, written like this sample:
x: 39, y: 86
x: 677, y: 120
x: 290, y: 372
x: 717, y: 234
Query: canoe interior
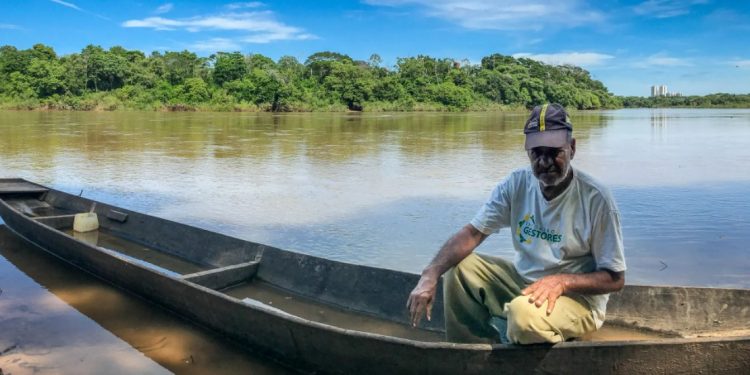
x: 338, y: 294
x: 331, y: 293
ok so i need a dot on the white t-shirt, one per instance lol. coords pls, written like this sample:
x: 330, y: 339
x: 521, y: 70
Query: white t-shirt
x: 576, y: 232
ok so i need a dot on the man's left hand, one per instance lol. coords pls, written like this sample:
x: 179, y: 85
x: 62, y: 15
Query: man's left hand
x: 548, y: 288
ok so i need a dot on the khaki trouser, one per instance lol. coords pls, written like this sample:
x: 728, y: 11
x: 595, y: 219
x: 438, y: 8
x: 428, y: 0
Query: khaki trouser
x: 481, y: 287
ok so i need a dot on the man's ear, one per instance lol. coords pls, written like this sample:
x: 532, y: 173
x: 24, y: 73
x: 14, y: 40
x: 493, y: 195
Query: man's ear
x: 572, y: 148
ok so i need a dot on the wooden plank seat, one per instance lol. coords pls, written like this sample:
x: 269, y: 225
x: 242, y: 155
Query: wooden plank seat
x: 219, y: 278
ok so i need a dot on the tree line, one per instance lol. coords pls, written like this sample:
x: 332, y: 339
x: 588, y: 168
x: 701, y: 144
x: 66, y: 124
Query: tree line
x: 720, y: 100
x: 117, y: 78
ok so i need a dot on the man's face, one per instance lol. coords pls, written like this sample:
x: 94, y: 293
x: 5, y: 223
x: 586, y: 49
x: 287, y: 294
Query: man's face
x: 551, y: 164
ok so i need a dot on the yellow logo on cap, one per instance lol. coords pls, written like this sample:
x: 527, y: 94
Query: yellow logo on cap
x: 541, y: 117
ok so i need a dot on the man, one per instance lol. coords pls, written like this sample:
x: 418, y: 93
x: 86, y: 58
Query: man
x: 569, y: 251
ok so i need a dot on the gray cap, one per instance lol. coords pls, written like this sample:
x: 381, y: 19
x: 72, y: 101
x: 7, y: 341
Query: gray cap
x: 547, y: 126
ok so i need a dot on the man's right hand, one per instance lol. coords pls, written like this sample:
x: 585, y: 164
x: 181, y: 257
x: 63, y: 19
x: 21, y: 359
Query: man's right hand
x: 453, y: 251
x: 421, y: 299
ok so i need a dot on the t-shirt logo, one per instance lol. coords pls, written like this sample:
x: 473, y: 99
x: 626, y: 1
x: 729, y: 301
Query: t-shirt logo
x: 528, y: 230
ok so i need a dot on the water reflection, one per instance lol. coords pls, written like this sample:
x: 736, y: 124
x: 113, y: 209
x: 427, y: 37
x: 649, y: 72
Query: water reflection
x: 57, y: 319
x: 659, y: 119
x: 326, y: 137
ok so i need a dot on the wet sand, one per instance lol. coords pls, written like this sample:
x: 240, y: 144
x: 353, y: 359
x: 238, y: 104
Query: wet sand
x: 56, y: 319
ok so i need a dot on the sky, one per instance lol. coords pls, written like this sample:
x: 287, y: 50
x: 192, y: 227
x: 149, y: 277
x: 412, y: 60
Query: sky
x: 695, y: 47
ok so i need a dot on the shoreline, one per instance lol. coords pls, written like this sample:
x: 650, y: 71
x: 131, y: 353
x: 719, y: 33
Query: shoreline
x: 332, y: 111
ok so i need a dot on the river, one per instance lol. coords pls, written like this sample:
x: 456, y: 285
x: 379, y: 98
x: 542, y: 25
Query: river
x: 388, y: 189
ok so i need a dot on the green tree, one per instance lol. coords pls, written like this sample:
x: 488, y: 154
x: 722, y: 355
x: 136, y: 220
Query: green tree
x: 177, y: 67
x: 42, y: 52
x: 417, y: 73
x: 46, y: 77
x: 229, y: 67
x: 447, y: 93
x: 13, y: 60
x: 18, y: 85
x: 258, y: 61
x: 195, y: 90
x: 349, y: 83
x: 320, y: 64
x: 389, y: 89
x: 375, y: 60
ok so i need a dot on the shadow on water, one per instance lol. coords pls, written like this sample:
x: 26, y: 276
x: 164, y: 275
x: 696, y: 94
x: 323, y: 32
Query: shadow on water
x: 56, y: 318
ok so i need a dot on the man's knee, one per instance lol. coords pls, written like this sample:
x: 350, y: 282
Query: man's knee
x: 522, y: 314
x: 458, y: 273
x: 528, y: 324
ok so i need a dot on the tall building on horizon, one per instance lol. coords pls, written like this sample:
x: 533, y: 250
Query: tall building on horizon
x: 660, y: 90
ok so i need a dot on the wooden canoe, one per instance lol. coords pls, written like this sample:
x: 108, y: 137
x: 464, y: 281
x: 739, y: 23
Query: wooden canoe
x: 332, y: 317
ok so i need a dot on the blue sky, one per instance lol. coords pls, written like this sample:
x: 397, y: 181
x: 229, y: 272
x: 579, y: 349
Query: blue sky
x: 692, y: 46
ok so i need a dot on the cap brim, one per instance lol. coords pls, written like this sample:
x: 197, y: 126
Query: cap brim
x: 549, y: 138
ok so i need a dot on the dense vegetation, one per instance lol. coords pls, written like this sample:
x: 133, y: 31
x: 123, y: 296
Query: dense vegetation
x: 100, y: 79
x: 708, y: 101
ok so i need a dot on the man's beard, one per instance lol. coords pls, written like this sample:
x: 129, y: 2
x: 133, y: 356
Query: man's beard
x: 558, y: 180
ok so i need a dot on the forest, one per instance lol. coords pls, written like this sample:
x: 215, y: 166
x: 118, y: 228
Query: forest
x: 121, y: 79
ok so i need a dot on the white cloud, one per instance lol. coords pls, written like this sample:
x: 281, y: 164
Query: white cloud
x: 503, y: 14
x: 272, y: 37
x: 568, y: 58
x: 69, y: 5
x: 251, y: 27
x: 76, y: 7
x: 665, y: 8
x: 217, y: 44
x: 663, y: 60
x: 166, y: 8
x: 8, y: 26
x: 251, y: 4
x: 741, y: 63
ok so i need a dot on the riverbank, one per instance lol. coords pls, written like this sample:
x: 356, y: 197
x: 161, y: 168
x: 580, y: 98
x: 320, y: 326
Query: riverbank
x: 107, y: 106
x: 119, y: 101
x: 718, y: 100
x: 108, y: 102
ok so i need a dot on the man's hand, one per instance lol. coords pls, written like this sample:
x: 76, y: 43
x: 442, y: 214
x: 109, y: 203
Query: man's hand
x: 421, y: 299
x: 548, y: 288
x: 453, y: 251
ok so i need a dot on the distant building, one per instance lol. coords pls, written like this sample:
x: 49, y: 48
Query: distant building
x: 661, y: 90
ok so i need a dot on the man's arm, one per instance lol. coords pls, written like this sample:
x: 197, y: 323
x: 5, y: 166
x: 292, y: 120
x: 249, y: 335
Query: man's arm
x: 458, y: 247
x: 550, y: 288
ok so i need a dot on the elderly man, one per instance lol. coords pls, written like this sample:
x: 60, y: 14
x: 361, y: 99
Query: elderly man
x: 569, y: 252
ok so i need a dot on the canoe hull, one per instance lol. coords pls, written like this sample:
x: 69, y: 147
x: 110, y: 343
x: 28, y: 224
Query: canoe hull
x: 313, y: 346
